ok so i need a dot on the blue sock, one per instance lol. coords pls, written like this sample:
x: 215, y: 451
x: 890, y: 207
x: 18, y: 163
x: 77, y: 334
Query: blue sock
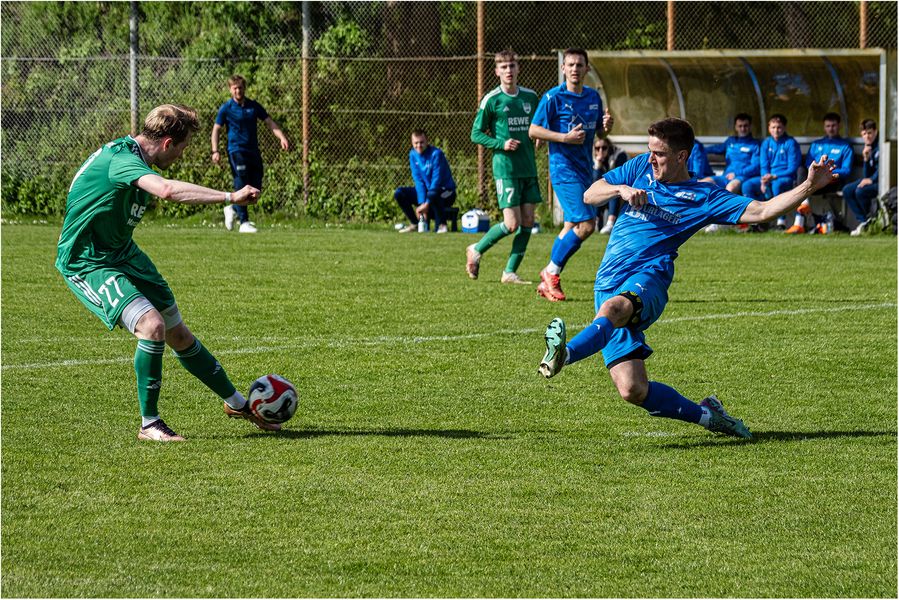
x: 665, y: 401
x: 563, y: 248
x: 591, y: 340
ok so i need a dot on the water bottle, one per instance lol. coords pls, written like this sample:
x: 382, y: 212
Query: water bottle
x: 422, y: 224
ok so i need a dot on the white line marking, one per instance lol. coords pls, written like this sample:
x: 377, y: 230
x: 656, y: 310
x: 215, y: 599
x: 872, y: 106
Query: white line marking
x: 379, y: 340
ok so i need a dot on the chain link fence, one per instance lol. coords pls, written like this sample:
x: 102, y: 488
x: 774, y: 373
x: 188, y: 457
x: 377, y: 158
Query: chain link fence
x: 376, y: 70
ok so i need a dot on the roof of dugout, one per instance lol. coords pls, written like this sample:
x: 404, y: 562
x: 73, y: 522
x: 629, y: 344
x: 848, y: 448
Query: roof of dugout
x: 709, y: 87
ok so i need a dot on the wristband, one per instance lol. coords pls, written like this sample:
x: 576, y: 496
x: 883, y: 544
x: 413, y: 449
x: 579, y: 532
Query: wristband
x: 227, y: 198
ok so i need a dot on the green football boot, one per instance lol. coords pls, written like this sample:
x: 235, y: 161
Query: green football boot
x: 556, y: 351
x: 721, y: 422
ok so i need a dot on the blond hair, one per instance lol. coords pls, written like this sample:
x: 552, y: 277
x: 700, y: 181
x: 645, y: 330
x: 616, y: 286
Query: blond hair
x: 238, y: 80
x: 171, y: 120
x: 507, y: 55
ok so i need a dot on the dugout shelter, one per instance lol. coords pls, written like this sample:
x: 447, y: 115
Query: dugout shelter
x: 709, y: 87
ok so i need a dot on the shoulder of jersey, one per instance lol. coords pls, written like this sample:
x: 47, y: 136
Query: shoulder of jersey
x: 489, y: 96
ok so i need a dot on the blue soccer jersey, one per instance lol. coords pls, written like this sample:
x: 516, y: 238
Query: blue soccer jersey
x: 741, y: 156
x: 561, y: 111
x: 647, y: 239
x: 780, y: 157
x: 241, y: 123
x: 837, y: 149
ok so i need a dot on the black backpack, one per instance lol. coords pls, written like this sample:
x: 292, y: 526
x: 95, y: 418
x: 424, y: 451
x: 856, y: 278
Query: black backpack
x: 883, y: 213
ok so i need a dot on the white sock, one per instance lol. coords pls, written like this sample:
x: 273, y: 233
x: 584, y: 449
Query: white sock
x: 706, y: 415
x: 236, y: 400
x: 799, y: 220
x: 553, y: 269
x: 782, y: 221
x: 144, y: 421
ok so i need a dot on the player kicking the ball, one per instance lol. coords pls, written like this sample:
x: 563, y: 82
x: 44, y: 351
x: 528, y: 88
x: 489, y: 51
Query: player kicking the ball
x: 666, y: 207
x: 117, y: 282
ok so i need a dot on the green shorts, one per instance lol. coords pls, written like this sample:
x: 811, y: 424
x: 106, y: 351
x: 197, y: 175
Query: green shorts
x: 106, y: 291
x: 518, y: 191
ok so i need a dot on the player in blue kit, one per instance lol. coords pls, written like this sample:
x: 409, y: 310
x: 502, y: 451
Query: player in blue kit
x: 666, y: 207
x: 239, y: 116
x: 840, y: 150
x: 566, y: 118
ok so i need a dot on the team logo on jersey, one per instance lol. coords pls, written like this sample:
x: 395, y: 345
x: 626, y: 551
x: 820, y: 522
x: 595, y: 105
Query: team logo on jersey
x: 505, y: 109
x: 594, y: 107
x: 684, y: 195
x: 526, y: 106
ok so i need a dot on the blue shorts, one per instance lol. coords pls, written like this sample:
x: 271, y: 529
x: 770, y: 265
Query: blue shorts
x: 653, y: 292
x: 571, y: 197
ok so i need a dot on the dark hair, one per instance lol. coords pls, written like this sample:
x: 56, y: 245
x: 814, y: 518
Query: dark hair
x: 419, y: 133
x: 868, y: 124
x: 237, y: 79
x: 677, y: 133
x: 832, y: 116
x: 576, y: 52
x: 778, y: 117
x: 742, y: 117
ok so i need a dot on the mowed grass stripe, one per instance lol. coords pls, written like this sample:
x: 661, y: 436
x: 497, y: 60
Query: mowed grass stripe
x: 313, y: 342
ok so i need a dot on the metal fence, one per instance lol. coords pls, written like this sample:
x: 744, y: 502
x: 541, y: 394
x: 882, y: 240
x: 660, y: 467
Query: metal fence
x: 376, y: 70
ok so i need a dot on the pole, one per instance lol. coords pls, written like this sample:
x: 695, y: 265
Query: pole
x: 306, y: 28
x: 482, y: 190
x: 670, y: 25
x: 863, y: 24
x: 132, y: 27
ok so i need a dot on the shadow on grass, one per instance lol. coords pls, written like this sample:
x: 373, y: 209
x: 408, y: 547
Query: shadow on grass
x: 388, y: 432
x: 779, y: 436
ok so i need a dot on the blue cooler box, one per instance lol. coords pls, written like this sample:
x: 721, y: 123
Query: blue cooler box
x: 475, y: 221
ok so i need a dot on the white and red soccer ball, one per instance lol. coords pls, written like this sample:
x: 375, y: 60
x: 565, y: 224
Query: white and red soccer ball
x: 272, y: 398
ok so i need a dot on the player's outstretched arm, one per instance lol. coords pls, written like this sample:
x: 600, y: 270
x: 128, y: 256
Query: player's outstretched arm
x: 819, y: 175
x: 602, y: 191
x: 189, y: 193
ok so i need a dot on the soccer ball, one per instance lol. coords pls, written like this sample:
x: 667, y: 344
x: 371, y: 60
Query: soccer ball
x: 272, y: 398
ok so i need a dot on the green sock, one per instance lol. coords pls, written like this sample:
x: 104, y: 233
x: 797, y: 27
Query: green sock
x: 519, y: 245
x: 203, y: 365
x: 148, y: 367
x: 495, y: 234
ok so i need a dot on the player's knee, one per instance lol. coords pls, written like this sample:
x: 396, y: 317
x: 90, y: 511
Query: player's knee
x: 617, y: 309
x: 151, y: 326
x: 511, y: 222
x: 179, y: 337
x: 585, y: 228
x: 633, y: 391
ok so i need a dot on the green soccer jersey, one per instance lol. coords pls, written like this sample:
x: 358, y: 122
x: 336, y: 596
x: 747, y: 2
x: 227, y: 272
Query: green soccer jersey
x: 501, y: 117
x: 102, y: 209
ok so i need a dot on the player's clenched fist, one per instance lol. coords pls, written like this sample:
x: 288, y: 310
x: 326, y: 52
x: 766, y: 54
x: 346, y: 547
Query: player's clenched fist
x: 246, y: 195
x: 633, y: 196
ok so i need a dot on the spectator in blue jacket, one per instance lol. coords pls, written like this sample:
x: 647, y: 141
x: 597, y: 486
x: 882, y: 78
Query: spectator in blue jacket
x: 741, y: 156
x: 837, y: 149
x: 859, y: 194
x: 434, y: 188
x: 779, y: 160
x: 698, y: 163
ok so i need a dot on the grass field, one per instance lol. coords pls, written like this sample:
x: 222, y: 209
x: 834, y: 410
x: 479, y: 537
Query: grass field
x: 427, y: 457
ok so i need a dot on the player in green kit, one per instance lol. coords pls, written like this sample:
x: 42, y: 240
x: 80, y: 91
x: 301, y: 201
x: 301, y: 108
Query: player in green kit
x: 117, y: 282
x: 502, y: 123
